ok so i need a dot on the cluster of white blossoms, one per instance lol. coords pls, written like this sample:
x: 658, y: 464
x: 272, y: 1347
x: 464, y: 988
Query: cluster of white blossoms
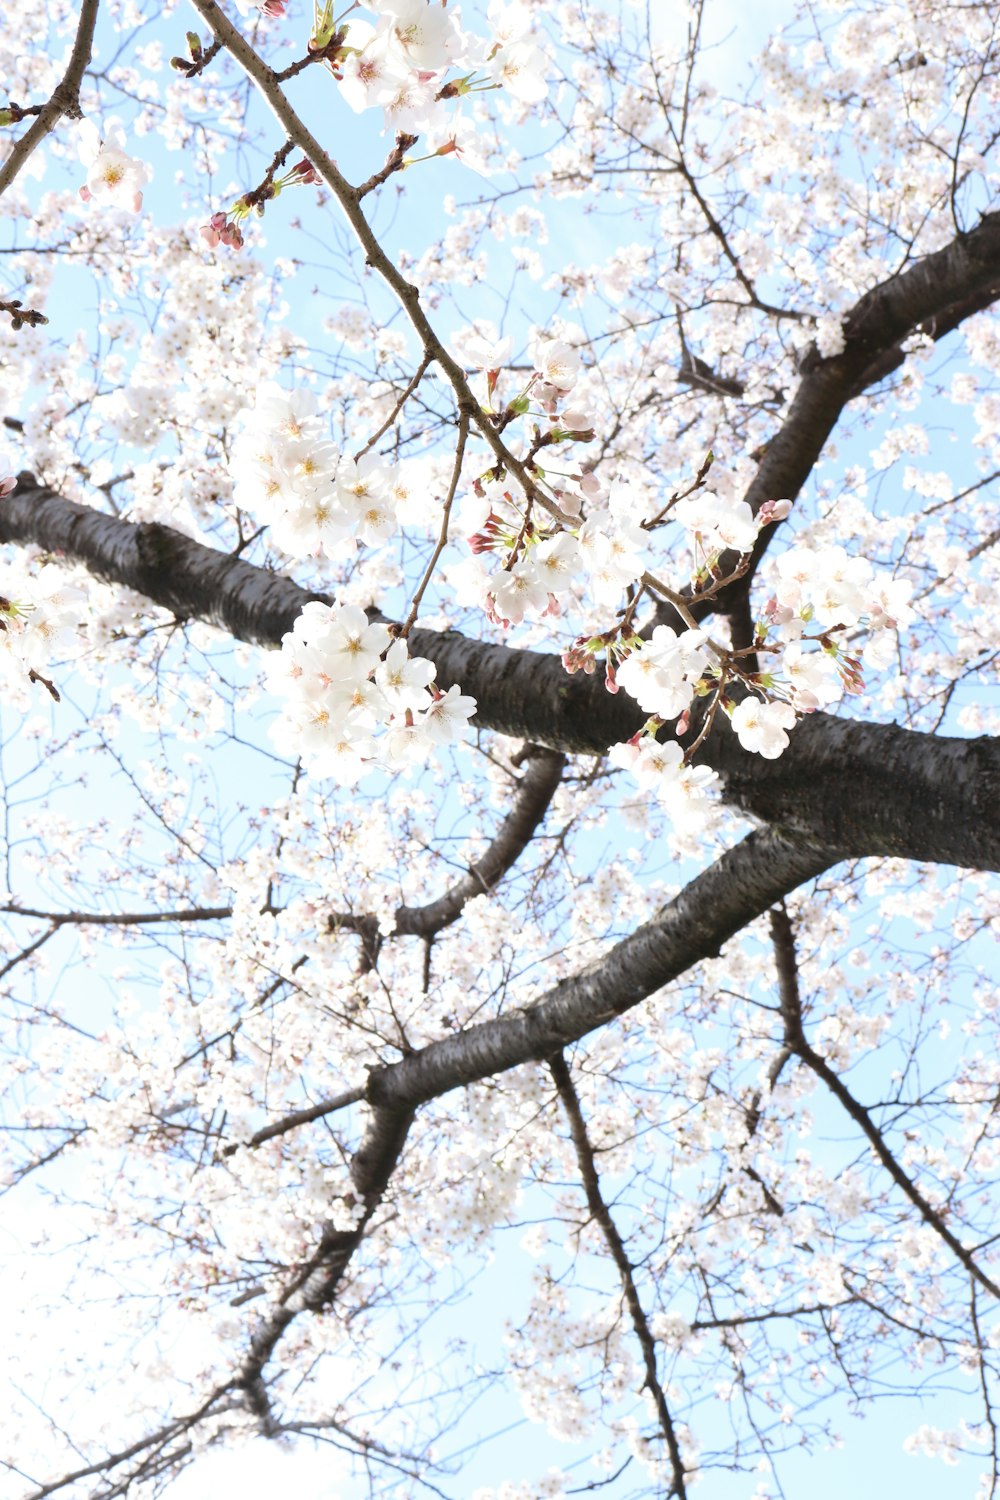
x: 114, y: 179
x: 356, y: 699
x: 346, y: 677
x: 291, y: 477
x: 660, y: 768
x: 607, y: 552
x: 522, y: 567
x: 399, y: 65
x: 37, y: 627
x: 825, y: 587
x: 531, y: 569
x: 40, y: 614
x: 808, y: 660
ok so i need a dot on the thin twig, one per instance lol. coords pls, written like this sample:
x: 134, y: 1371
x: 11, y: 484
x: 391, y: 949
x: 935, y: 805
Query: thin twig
x: 783, y: 938
x: 601, y: 1214
x: 347, y: 196
x: 463, y: 434
x: 294, y: 1120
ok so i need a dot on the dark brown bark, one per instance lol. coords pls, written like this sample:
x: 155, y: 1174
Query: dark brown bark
x: 933, y: 296
x: 740, y: 886
x: 532, y: 795
x: 866, y: 789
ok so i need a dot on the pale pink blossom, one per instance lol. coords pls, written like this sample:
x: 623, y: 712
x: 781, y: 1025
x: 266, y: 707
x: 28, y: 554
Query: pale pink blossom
x: 762, y: 727
x: 114, y: 179
x: 446, y: 720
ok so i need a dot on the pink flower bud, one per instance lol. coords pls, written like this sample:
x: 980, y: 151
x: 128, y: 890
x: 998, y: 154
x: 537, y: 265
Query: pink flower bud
x: 304, y: 172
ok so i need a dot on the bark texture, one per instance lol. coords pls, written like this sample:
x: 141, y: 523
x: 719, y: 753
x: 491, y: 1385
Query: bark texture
x: 866, y: 789
x: 741, y: 885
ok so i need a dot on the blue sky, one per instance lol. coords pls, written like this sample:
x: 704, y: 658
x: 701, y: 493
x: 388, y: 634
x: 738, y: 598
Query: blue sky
x: 262, y: 1470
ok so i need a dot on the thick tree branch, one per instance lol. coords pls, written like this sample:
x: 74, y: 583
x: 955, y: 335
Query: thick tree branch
x: 864, y: 789
x: 716, y: 905
x: 694, y: 925
x: 297, y: 1118
x: 933, y: 296
x: 118, y: 918
x: 65, y: 97
x: 315, y: 1286
x: 740, y: 886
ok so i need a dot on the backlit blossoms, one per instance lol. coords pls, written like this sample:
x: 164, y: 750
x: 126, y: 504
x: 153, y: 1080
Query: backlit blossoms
x: 38, y: 627
x: 805, y: 661
x: 356, y: 700
x: 114, y: 179
x: 289, y: 475
x: 400, y: 63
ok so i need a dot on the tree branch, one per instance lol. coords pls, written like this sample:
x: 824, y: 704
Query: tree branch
x: 740, y: 886
x: 535, y: 791
x: 601, y: 1215
x: 65, y: 98
x: 717, y: 904
x: 934, y: 296
x: 349, y: 198
x: 864, y: 789
x: 783, y: 938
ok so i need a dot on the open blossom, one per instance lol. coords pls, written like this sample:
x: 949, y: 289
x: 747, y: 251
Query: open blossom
x: 409, y: 103
x: 114, y: 178
x: 660, y: 768
x: 557, y: 363
x: 483, y: 352
x: 404, y: 679
x: 41, y: 626
x: 521, y: 69
x: 836, y: 587
x: 812, y: 676
x: 557, y: 561
x: 351, y: 645
x: 8, y: 473
x: 355, y: 699
x: 367, y: 67
x: 889, y: 603
x: 720, y: 523
x: 425, y: 35
x: 661, y: 673
x: 447, y: 717
x: 289, y: 475
x: 614, y: 558
x: 761, y: 727
x: 518, y: 590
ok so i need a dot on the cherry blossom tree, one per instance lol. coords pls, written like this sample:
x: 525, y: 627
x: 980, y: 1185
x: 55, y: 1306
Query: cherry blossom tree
x: 500, y: 753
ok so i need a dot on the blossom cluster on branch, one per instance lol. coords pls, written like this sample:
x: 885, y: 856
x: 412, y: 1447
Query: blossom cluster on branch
x: 662, y: 454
